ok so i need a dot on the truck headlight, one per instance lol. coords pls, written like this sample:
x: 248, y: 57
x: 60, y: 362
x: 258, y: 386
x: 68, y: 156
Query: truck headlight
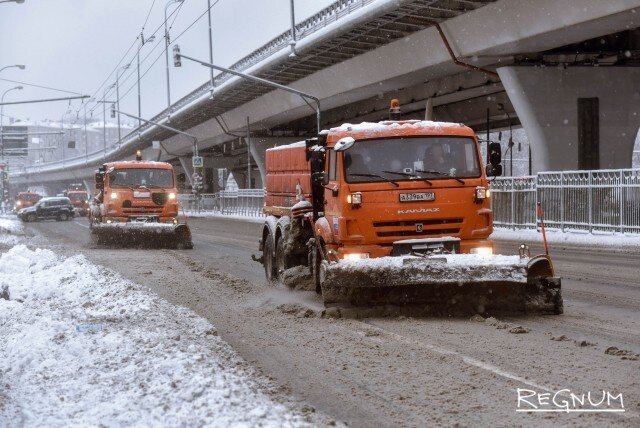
x: 355, y: 199
x: 19, y: 204
x: 355, y: 256
x: 172, y: 196
x: 114, y: 195
x: 483, y: 251
x: 482, y: 193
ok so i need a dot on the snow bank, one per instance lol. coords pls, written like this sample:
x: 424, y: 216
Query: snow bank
x: 10, y: 230
x: 596, y: 239
x: 83, y: 346
x: 212, y: 214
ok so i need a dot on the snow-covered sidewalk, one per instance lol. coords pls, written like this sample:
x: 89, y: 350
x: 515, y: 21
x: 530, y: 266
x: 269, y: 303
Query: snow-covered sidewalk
x: 82, y: 346
x: 578, y: 239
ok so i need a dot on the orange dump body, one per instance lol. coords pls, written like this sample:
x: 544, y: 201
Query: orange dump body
x: 387, y: 212
x: 139, y: 190
x: 26, y: 199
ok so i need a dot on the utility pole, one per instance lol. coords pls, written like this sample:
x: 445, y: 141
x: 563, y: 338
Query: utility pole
x: 210, y: 47
x: 118, y: 101
x: 248, y: 155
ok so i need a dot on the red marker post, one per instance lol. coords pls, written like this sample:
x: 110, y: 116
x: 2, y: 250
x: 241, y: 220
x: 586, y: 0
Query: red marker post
x: 544, y: 233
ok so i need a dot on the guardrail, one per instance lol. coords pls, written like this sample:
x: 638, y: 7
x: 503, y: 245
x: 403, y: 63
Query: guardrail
x: 598, y: 200
x: 243, y: 202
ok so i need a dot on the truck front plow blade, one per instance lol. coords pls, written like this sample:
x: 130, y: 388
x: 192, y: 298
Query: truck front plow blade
x: 445, y: 285
x: 162, y: 235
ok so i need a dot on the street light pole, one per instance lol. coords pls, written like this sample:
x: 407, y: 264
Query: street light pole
x: 104, y: 118
x: 166, y: 55
x: 142, y: 43
x: 210, y: 46
x: 177, y: 63
x: 2, y: 119
x: 118, y: 100
x: 20, y: 66
x: 86, y: 142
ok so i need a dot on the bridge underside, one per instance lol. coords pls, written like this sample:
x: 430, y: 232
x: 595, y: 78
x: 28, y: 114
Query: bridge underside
x: 396, y: 52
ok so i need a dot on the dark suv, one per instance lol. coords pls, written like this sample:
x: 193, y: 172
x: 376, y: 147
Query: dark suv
x: 57, y: 208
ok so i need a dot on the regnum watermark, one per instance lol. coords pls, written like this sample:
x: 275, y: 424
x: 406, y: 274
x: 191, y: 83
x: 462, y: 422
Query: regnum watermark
x: 567, y: 401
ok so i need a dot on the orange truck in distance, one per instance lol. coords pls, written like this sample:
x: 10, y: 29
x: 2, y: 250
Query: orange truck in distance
x: 137, y: 202
x: 396, y: 212
x: 80, y: 201
x: 26, y: 199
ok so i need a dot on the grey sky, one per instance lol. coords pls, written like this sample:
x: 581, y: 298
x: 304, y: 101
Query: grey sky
x: 75, y: 44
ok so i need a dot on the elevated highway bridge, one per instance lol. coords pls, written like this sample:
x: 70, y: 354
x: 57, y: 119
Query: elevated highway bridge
x: 557, y: 67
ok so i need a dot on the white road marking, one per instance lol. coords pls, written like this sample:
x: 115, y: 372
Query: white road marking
x: 83, y: 225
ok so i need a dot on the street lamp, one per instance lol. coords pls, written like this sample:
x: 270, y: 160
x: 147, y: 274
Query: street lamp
x: 118, y: 99
x: 166, y: 54
x: 142, y: 43
x: 18, y: 88
x: 20, y: 66
x: 86, y: 142
x: 104, y: 117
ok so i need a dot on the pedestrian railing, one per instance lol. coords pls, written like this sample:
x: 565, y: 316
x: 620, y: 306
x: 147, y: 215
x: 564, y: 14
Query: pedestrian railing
x: 598, y: 200
x: 243, y: 202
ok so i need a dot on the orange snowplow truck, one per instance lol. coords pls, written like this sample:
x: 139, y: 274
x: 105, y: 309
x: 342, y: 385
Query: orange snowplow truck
x: 79, y: 200
x: 26, y: 199
x: 380, y: 213
x: 137, y: 202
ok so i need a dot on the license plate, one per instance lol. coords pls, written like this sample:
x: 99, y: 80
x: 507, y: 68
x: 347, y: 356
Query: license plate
x: 414, y: 197
x: 141, y: 194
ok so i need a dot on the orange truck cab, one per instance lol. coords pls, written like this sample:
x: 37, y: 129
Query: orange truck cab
x: 135, y: 191
x: 26, y: 199
x: 79, y: 200
x: 379, y: 189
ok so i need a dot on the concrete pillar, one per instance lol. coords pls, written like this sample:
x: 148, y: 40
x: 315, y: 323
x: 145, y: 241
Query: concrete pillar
x: 546, y: 101
x: 188, y: 168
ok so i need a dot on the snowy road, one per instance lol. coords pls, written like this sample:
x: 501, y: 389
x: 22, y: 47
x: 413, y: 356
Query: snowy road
x: 399, y: 371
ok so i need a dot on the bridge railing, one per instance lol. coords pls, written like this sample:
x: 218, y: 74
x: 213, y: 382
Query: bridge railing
x: 598, y: 200
x: 243, y: 202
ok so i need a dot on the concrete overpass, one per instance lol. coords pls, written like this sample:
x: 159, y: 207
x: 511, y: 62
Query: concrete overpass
x: 539, y: 58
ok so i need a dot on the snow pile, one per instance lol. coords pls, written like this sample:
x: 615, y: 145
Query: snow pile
x: 10, y: 230
x: 80, y: 344
x: 595, y: 239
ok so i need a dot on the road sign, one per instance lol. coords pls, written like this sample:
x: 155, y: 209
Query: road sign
x: 198, y: 161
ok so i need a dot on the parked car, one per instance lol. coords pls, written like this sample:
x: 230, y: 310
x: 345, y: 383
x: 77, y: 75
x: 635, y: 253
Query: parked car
x: 56, y: 208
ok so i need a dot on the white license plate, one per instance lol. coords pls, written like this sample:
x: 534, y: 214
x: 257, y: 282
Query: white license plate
x: 413, y: 197
x: 141, y: 194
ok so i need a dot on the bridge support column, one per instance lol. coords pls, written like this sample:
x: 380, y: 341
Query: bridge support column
x: 188, y: 168
x: 576, y: 117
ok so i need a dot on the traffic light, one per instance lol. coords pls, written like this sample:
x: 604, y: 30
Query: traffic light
x: 177, y: 62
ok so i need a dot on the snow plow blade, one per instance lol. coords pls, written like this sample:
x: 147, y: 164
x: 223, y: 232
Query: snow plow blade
x: 147, y: 234
x: 445, y: 284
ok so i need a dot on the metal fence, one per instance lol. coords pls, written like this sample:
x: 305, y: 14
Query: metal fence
x: 244, y: 202
x: 599, y: 200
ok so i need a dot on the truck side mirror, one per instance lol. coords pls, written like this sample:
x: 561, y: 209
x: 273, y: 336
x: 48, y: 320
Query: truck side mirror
x: 494, y: 168
x: 321, y: 178
x: 99, y: 178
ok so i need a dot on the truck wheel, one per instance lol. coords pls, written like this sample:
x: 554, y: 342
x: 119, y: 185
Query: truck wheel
x: 281, y: 259
x: 269, y: 259
x: 63, y: 217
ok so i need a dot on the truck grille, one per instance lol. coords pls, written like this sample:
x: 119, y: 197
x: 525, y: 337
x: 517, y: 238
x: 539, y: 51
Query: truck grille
x: 407, y: 228
x: 142, y: 210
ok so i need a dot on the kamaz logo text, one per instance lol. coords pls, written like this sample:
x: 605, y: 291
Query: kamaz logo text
x: 419, y: 211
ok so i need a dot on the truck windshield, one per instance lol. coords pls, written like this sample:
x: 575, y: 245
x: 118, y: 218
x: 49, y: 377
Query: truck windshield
x: 432, y: 158
x: 141, y: 177
x: 29, y: 197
